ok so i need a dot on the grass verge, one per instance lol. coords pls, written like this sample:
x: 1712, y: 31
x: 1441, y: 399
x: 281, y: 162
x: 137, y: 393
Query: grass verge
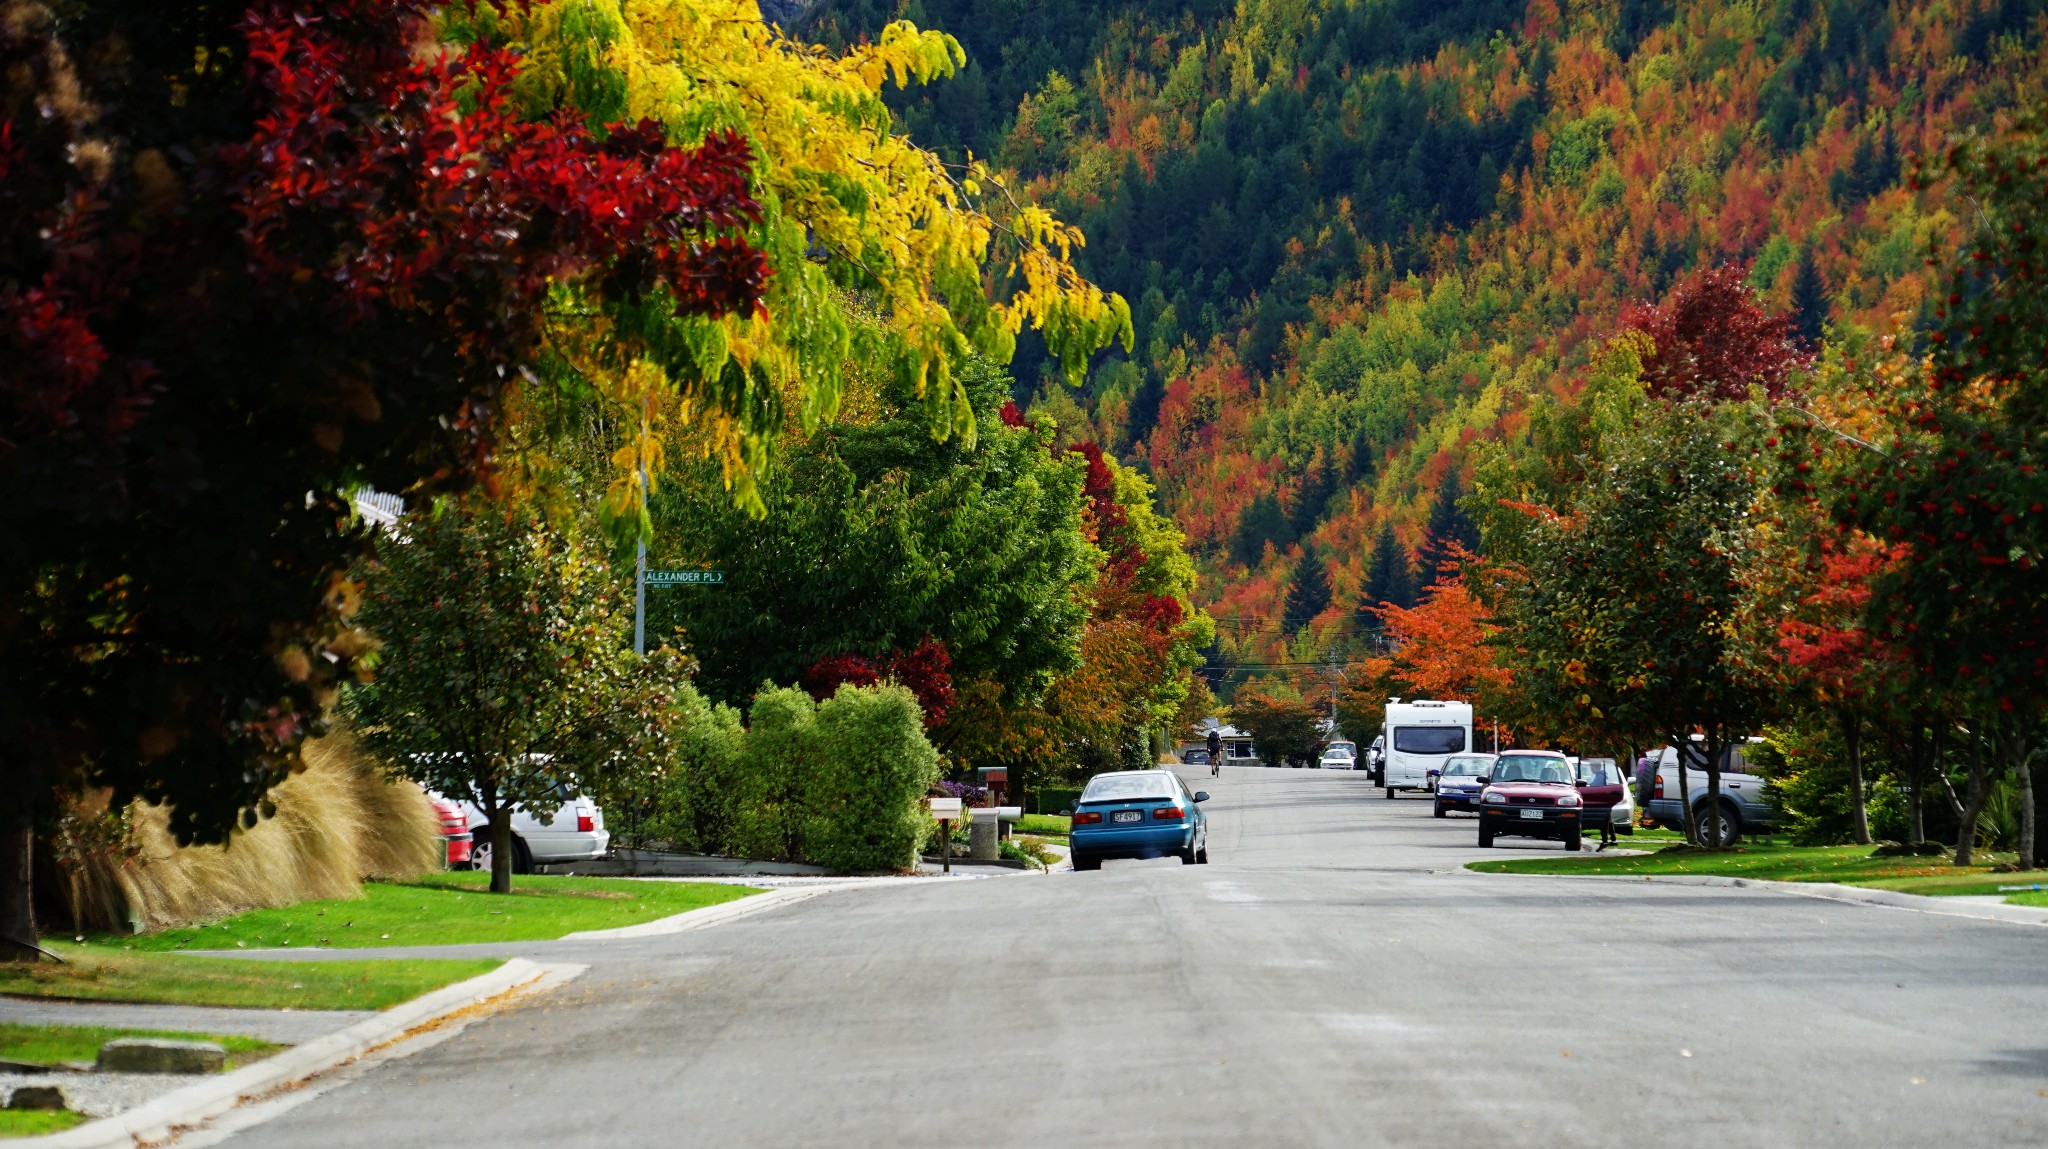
x: 56, y: 1044
x: 91, y: 973
x: 1850, y: 865
x: 445, y: 909
x: 31, y: 1122
x: 1044, y: 824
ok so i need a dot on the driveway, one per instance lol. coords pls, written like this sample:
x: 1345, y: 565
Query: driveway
x: 1332, y: 978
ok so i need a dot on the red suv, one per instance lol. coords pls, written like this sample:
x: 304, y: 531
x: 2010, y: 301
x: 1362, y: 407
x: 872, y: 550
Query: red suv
x: 1530, y: 794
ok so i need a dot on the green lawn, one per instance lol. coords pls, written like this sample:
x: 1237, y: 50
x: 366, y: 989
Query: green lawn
x: 1847, y: 864
x: 445, y: 909
x: 55, y: 1044
x: 1044, y: 824
x: 30, y: 1122
x: 94, y: 973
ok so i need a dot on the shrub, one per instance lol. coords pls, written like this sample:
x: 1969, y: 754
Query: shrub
x: 779, y: 766
x: 710, y: 764
x: 873, y: 769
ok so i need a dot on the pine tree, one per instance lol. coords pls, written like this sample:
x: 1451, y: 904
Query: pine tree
x: 1308, y: 593
x: 1387, y: 580
x: 1809, y: 299
x: 1448, y: 524
x: 1317, y: 484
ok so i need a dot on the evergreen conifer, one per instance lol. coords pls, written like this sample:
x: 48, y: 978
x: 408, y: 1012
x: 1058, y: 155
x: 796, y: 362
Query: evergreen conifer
x: 1448, y: 524
x: 1387, y: 581
x: 1308, y: 593
x: 1809, y: 299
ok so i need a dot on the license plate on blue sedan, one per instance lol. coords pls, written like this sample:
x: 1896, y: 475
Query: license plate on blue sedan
x: 1127, y: 816
x: 1536, y: 815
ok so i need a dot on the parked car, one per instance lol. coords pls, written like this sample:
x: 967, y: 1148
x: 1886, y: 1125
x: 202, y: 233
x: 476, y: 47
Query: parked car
x: 454, y: 832
x: 1339, y: 756
x: 572, y: 832
x: 1604, y: 788
x: 1375, y: 757
x: 1458, y: 786
x: 1744, y: 808
x: 1138, y: 814
x: 1195, y: 758
x: 1530, y: 794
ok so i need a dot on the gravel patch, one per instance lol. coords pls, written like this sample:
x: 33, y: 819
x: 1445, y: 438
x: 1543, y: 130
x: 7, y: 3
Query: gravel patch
x: 100, y: 1094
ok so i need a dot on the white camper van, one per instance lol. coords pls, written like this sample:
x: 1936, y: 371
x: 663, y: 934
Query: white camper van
x: 1420, y: 736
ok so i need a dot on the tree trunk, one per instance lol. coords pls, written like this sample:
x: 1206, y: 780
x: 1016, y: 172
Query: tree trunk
x: 501, y: 840
x: 18, y: 937
x: 1852, y: 740
x: 1713, y: 829
x: 2018, y: 748
x: 1973, y: 802
x: 1691, y: 832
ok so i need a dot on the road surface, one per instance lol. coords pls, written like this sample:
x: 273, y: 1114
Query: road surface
x: 1332, y: 978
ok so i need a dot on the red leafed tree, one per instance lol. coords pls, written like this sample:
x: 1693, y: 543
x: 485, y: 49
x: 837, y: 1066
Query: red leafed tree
x: 1715, y: 341
x: 251, y: 256
x: 1825, y: 649
x: 926, y: 669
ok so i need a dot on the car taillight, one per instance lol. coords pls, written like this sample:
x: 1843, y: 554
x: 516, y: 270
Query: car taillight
x: 1087, y: 819
x: 1659, y: 791
x: 586, y: 821
x: 1167, y: 813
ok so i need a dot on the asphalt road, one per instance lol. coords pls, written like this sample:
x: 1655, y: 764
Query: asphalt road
x: 1332, y: 978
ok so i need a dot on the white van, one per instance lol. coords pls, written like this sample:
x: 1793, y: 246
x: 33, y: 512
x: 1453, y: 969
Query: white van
x: 1420, y: 737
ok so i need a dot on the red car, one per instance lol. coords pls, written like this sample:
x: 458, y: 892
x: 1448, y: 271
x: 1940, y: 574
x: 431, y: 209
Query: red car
x: 1530, y: 794
x: 454, y: 831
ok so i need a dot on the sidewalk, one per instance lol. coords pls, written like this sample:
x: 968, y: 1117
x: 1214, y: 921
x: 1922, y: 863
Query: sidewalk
x: 282, y: 1026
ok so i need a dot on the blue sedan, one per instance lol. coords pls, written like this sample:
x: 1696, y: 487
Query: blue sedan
x: 1139, y: 814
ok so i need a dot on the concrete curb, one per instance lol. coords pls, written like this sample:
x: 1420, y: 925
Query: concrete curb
x: 1833, y: 892
x: 164, y: 1118
x: 703, y: 916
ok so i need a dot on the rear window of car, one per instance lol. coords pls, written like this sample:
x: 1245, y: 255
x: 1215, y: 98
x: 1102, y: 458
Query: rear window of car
x: 1466, y: 767
x: 1126, y: 787
x: 1600, y: 772
x: 1429, y: 739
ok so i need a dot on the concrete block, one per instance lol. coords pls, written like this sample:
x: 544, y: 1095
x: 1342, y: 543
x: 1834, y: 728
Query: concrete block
x: 161, y: 1055
x: 37, y: 1097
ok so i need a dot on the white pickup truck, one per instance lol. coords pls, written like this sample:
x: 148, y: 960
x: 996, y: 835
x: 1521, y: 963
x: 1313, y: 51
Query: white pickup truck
x: 1744, y: 808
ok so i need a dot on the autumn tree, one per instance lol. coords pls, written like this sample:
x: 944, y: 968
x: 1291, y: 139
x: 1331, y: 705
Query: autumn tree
x: 884, y: 258
x: 1960, y: 480
x: 1283, y: 729
x: 252, y: 257
x: 1712, y: 340
x: 1443, y: 647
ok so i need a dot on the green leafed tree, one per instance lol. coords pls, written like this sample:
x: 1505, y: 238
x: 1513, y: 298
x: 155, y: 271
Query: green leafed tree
x: 503, y: 663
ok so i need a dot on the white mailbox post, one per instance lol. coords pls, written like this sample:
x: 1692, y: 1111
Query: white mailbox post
x: 945, y: 810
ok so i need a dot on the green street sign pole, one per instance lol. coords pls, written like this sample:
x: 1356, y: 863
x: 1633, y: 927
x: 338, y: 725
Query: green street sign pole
x: 640, y: 584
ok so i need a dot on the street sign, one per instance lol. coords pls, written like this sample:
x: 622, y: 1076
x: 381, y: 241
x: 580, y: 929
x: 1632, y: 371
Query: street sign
x: 685, y: 578
x: 948, y: 808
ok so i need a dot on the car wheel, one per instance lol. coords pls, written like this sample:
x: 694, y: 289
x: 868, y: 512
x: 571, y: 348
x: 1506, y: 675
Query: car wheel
x: 1440, y: 810
x: 1083, y: 862
x: 1731, y: 826
x: 1485, y: 836
x: 1572, y: 841
x: 480, y: 853
x: 1390, y: 793
x: 1202, y: 856
x: 522, y: 858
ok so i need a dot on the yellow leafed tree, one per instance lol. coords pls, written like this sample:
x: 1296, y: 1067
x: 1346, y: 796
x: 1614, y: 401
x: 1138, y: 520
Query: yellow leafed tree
x: 855, y: 217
